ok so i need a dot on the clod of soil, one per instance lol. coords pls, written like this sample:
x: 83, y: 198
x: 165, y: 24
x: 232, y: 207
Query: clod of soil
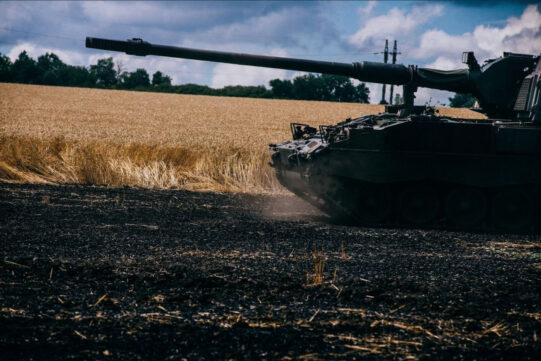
x: 98, y: 273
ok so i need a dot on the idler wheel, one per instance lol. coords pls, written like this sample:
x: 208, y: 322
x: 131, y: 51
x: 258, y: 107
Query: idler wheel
x: 466, y: 207
x: 512, y: 210
x: 419, y: 205
x: 372, y: 203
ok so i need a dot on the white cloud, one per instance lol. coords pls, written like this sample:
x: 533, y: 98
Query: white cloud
x: 396, y: 22
x: 229, y: 74
x: 34, y: 51
x: 367, y: 10
x: 438, y: 42
x: 445, y: 63
x: 521, y: 35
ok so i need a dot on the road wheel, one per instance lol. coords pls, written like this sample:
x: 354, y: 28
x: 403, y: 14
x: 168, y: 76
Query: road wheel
x: 419, y: 205
x: 512, y: 210
x: 370, y: 203
x: 466, y: 207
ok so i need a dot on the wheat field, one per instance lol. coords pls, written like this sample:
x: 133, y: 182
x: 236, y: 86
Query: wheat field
x: 152, y: 140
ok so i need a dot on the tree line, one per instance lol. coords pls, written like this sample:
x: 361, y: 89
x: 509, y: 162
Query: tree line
x: 49, y: 69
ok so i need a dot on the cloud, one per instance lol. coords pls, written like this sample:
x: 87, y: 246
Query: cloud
x: 395, y: 22
x: 445, y: 63
x: 521, y: 35
x: 367, y: 10
x: 228, y: 74
x: 269, y: 29
x: 438, y: 42
x: 67, y: 56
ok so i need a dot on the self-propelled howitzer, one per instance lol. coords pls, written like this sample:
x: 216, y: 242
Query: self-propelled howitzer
x: 408, y: 166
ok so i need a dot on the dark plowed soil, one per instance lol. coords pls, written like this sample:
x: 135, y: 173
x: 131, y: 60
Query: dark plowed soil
x: 97, y: 273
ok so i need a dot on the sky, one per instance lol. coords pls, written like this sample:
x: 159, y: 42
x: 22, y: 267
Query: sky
x: 429, y: 33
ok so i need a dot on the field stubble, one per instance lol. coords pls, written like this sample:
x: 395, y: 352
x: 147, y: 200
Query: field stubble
x: 152, y: 140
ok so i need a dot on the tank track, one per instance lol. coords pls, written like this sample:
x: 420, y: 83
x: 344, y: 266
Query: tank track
x: 424, y: 205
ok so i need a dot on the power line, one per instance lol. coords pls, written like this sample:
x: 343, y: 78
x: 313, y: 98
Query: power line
x: 40, y: 34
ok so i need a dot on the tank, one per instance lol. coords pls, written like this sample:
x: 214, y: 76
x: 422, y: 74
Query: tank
x: 409, y: 167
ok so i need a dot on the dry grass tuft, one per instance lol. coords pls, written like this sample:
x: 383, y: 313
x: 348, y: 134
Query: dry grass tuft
x: 151, y: 140
x: 317, y: 277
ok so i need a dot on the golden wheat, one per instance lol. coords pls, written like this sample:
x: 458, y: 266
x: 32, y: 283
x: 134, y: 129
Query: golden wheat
x: 108, y: 137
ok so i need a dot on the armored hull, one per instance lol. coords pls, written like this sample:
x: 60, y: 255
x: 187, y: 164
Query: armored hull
x: 420, y: 170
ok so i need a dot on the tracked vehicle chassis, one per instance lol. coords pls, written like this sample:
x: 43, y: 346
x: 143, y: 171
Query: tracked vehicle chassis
x: 418, y: 172
x: 425, y: 205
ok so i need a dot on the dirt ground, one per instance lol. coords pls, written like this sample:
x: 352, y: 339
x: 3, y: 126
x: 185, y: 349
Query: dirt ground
x: 98, y: 273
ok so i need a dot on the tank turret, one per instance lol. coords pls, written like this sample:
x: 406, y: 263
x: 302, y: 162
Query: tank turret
x: 413, y: 169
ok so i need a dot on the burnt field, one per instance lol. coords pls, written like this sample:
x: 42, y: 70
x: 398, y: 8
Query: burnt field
x: 124, y: 273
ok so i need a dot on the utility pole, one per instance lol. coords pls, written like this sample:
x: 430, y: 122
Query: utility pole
x: 385, y: 58
x: 394, y: 53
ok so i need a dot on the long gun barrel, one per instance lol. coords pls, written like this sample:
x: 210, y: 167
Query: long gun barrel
x: 367, y: 71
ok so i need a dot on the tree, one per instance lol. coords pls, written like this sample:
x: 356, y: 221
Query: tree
x: 159, y: 79
x: 104, y: 72
x: 191, y: 88
x: 50, y: 66
x: 309, y: 87
x: 341, y: 89
x: 75, y: 76
x: 5, y: 68
x: 137, y: 78
x: 336, y: 88
x: 462, y: 101
x: 320, y: 87
x: 281, y: 89
x: 49, y: 69
x: 119, y: 70
x: 245, y: 91
x: 50, y: 61
x: 25, y: 69
x: 362, y: 93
